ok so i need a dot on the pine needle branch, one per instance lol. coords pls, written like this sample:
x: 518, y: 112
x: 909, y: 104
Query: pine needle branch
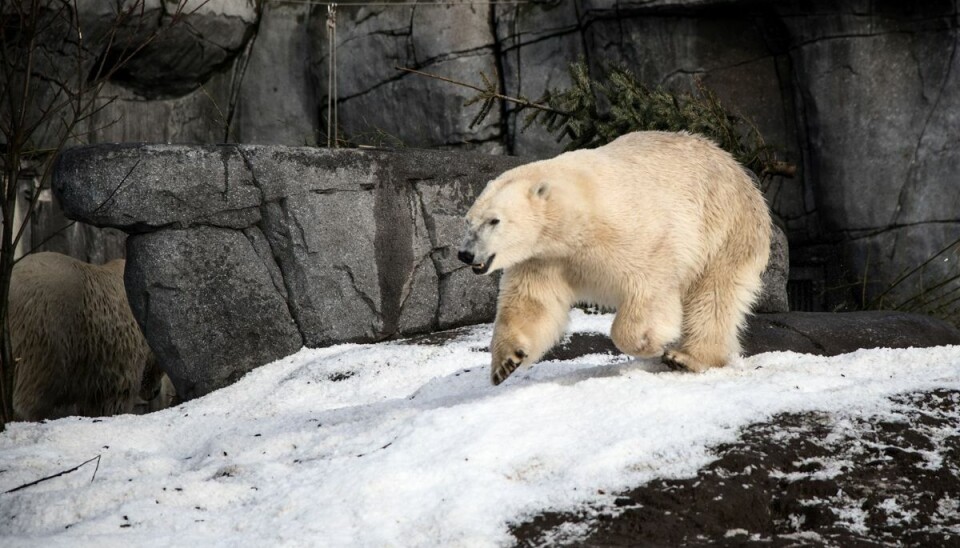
x: 593, y: 112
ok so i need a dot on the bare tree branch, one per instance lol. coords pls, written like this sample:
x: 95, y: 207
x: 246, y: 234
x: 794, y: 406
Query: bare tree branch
x: 485, y: 92
x: 58, y: 474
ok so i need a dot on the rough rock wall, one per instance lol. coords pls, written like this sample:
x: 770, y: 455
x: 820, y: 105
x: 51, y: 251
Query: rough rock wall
x: 879, y: 96
x: 862, y: 95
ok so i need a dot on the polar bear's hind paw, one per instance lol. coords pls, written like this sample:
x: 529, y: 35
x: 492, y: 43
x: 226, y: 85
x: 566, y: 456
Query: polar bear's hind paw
x: 675, y: 361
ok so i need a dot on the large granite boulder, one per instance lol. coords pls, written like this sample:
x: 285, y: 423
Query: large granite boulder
x: 774, y: 297
x: 241, y: 254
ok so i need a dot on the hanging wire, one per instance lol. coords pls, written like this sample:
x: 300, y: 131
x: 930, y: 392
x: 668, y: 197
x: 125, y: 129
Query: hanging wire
x: 332, y: 110
x: 332, y: 134
x: 407, y: 4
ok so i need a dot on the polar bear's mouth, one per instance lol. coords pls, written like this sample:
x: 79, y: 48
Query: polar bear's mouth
x: 484, y: 266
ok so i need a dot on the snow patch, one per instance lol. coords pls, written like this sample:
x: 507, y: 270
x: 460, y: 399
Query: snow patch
x: 409, y: 445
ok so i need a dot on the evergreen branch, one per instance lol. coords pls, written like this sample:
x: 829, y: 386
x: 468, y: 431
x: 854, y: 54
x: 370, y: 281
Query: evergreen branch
x: 591, y: 113
x: 597, y: 111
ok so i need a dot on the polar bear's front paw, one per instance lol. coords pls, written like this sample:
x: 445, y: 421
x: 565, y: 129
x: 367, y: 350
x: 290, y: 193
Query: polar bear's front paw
x: 505, y: 366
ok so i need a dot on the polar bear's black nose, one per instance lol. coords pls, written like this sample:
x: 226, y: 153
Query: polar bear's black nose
x: 465, y: 256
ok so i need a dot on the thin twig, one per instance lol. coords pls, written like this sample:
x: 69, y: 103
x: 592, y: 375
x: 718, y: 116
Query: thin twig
x: 58, y: 474
x: 485, y: 91
x: 913, y: 271
x: 119, y: 185
x: 921, y: 303
x: 866, y: 271
x: 239, y: 72
x: 43, y: 242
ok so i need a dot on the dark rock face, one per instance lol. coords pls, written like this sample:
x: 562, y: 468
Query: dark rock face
x: 188, y: 47
x: 828, y: 334
x: 880, y: 93
x: 241, y: 254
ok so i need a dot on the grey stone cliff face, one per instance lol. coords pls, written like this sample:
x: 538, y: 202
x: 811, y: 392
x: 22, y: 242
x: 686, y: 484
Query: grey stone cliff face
x: 862, y: 96
x: 242, y: 254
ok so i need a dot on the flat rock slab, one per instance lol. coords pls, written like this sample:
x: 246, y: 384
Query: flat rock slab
x: 830, y: 334
x: 820, y: 333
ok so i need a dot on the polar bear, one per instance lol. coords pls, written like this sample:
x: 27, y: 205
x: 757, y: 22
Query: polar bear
x: 76, y: 345
x: 666, y: 228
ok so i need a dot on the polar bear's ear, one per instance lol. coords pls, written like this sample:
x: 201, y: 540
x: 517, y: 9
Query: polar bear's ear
x: 541, y: 190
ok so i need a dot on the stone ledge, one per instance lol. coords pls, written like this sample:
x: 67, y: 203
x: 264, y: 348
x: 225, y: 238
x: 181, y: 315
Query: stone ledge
x: 819, y: 333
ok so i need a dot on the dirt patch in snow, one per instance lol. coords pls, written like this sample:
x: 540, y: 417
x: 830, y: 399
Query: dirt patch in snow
x: 808, y: 479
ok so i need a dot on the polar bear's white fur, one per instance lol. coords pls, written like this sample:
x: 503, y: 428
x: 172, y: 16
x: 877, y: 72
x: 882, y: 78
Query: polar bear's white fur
x: 76, y: 345
x: 665, y: 227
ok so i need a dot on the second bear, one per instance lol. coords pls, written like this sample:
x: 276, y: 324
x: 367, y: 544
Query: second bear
x: 76, y: 345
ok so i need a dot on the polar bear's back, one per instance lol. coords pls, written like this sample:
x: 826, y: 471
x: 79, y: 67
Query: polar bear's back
x: 672, y: 194
x: 75, y: 336
x: 47, y: 286
x: 671, y: 170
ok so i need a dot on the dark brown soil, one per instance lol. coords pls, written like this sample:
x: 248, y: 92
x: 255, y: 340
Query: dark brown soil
x: 799, y: 480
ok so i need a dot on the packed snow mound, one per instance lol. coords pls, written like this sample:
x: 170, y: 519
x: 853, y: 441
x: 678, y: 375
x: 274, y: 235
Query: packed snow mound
x: 398, y: 444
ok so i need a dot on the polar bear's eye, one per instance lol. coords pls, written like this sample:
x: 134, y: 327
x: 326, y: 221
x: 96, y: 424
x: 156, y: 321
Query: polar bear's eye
x: 494, y: 222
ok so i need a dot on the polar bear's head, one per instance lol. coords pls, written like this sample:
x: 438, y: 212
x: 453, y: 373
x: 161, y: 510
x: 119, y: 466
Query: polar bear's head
x: 506, y: 223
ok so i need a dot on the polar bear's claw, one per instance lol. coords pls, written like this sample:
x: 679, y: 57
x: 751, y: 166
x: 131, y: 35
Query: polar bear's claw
x: 674, y: 361
x: 507, y: 367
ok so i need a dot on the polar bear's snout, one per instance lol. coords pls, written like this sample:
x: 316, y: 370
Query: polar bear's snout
x: 470, y: 253
x: 465, y: 256
x: 480, y: 266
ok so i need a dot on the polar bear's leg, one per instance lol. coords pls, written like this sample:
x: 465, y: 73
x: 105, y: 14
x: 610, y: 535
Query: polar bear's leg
x: 40, y: 391
x: 715, y: 310
x: 532, y: 313
x: 35, y: 406
x: 643, y: 327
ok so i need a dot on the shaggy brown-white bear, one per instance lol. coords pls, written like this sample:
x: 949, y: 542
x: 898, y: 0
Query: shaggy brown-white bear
x: 77, y: 347
x: 665, y: 227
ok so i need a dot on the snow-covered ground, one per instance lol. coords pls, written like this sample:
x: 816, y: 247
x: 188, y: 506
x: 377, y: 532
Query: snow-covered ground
x: 398, y: 444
